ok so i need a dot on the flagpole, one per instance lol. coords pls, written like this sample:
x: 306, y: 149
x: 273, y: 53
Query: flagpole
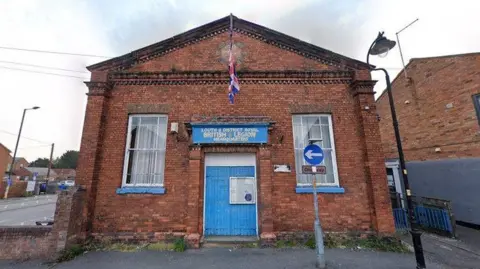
x: 230, y: 93
x: 231, y: 31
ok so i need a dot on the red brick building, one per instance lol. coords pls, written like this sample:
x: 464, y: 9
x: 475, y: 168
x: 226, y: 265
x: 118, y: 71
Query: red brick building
x: 163, y: 152
x: 5, y: 159
x: 438, y: 110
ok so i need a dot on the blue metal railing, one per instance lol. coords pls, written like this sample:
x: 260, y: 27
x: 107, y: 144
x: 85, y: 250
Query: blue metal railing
x: 433, y: 218
x: 401, y: 219
x: 428, y: 218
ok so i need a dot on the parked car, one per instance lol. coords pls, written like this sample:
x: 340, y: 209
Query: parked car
x: 64, y: 184
x: 67, y: 183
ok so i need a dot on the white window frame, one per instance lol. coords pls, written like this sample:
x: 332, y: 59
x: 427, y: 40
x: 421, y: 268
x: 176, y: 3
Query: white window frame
x: 127, y: 151
x: 333, y: 152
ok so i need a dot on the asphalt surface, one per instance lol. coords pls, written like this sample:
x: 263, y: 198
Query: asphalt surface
x: 220, y: 258
x: 463, y: 252
x: 25, y: 211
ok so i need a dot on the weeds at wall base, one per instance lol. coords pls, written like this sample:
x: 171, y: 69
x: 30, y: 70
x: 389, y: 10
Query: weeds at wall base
x: 389, y: 244
x: 179, y: 245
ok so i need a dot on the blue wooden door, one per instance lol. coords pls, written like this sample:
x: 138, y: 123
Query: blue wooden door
x: 221, y: 217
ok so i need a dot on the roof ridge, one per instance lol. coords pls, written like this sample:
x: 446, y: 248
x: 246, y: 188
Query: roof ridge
x: 446, y: 56
x: 218, y: 26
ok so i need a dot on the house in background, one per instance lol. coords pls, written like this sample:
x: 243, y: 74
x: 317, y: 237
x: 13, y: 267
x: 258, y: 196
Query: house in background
x: 5, y: 159
x: 438, y: 109
x: 42, y: 172
x: 22, y: 173
x: 63, y: 174
x: 19, y: 163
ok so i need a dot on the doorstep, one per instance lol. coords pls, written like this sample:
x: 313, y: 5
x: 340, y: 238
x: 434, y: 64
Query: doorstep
x: 228, y: 241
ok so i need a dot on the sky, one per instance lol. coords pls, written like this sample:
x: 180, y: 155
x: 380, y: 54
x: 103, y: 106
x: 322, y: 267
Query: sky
x: 111, y: 28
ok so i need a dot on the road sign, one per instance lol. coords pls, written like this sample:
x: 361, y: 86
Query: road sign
x: 313, y: 154
x: 310, y: 169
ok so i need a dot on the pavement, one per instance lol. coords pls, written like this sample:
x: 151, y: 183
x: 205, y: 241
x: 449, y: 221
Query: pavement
x: 27, y: 210
x: 461, y: 252
x: 245, y: 258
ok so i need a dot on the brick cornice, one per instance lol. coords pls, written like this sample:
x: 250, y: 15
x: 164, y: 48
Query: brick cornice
x: 96, y: 88
x: 362, y: 87
x: 221, y: 77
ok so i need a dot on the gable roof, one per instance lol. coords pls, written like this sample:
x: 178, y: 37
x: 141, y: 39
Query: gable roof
x: 41, y: 171
x: 65, y: 172
x: 222, y: 25
x: 17, y: 159
x: 426, y: 59
x: 5, y: 147
x: 22, y: 171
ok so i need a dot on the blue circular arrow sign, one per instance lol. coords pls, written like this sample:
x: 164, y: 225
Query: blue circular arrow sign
x: 313, y: 154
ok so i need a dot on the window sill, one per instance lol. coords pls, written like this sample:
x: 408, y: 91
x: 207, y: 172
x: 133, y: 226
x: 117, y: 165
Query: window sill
x: 320, y: 190
x: 141, y: 190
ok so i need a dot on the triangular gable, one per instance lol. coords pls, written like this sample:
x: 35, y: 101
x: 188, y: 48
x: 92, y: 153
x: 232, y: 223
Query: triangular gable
x: 195, y: 35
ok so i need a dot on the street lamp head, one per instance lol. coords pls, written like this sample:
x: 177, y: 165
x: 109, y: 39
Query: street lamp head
x: 35, y: 107
x: 381, y: 45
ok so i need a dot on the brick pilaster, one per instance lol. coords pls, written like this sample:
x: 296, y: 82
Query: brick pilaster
x: 90, y: 149
x: 265, y: 192
x: 382, y: 217
x: 68, y: 226
x: 194, y: 183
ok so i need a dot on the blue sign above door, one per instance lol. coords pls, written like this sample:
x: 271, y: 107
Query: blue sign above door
x: 230, y: 133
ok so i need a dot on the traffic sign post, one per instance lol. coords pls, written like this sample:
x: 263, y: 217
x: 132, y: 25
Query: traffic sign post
x: 310, y: 169
x: 313, y: 154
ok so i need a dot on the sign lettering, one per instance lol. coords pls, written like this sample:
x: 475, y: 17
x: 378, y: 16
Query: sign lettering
x: 229, y: 134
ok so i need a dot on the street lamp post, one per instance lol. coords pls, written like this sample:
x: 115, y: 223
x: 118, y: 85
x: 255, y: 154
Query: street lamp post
x: 382, y: 45
x: 9, y: 182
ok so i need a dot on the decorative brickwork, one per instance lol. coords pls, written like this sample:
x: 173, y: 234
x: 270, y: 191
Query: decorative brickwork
x: 273, y: 90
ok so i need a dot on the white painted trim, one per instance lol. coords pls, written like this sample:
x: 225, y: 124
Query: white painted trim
x: 204, y: 194
x: 228, y: 159
x: 394, y: 165
x: 127, y: 153
x: 332, y: 149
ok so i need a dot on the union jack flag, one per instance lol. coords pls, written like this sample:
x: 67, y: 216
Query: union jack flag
x: 233, y: 87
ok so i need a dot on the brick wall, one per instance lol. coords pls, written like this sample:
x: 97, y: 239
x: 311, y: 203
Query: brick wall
x: 19, y: 163
x: 426, y: 120
x: 45, y: 242
x: 103, y: 145
x: 25, y: 242
x: 69, y: 223
x: 17, y: 189
x: 5, y: 159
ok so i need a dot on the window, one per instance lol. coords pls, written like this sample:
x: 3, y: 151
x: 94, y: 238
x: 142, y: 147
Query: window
x: 315, y: 127
x: 476, y: 102
x: 145, y: 151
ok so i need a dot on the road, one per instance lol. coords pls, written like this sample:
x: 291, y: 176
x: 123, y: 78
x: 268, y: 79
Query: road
x: 25, y: 211
x: 463, y: 252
